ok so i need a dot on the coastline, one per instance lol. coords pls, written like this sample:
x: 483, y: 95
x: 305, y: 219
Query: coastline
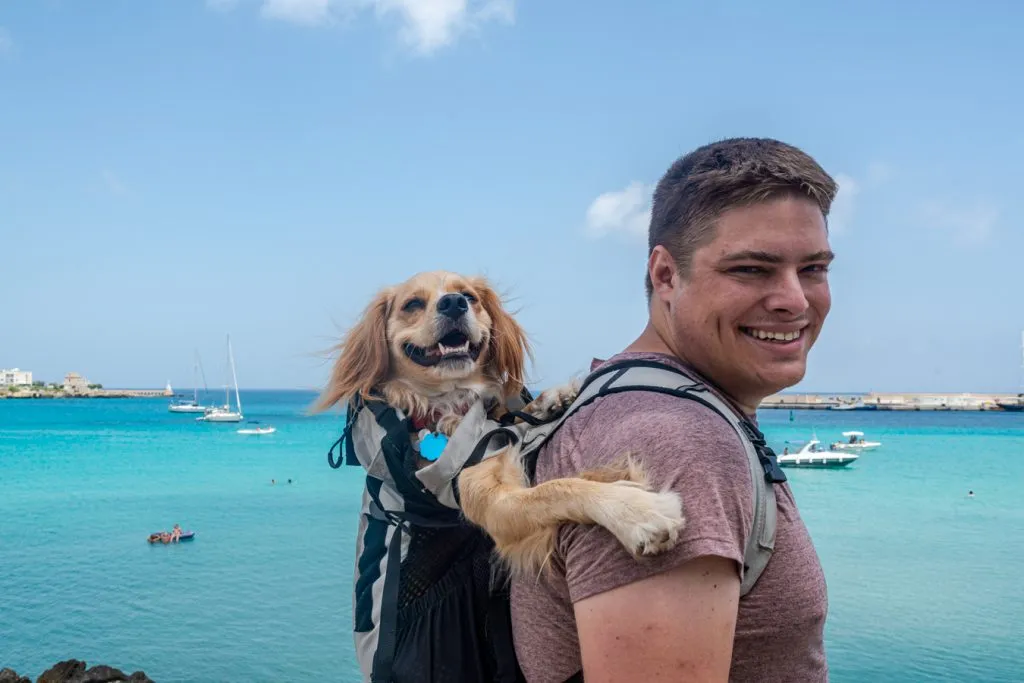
x: 885, y: 401
x: 89, y: 393
x: 903, y: 401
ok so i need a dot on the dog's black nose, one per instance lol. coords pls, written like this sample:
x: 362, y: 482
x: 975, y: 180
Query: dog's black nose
x: 453, y: 305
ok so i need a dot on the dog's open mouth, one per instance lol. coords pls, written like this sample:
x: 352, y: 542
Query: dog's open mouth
x: 451, y: 348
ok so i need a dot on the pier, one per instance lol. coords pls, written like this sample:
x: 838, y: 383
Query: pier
x: 37, y: 392
x: 891, y: 401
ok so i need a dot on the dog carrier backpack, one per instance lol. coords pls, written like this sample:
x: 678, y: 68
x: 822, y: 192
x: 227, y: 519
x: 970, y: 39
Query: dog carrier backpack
x: 430, y: 604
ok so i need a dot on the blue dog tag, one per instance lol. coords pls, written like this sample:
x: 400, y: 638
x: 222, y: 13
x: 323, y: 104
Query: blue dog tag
x: 432, y: 445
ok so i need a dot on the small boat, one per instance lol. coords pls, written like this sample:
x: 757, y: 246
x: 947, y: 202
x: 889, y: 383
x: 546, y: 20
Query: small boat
x: 1012, y: 406
x: 858, y: 404
x: 855, y: 442
x: 184, y: 405
x: 257, y: 429
x: 165, y: 536
x: 224, y: 413
x: 812, y: 455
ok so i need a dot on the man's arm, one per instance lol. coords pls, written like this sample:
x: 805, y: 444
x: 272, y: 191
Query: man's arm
x: 676, y: 626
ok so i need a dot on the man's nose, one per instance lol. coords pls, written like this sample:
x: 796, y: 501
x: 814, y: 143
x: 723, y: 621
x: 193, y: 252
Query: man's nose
x: 788, y: 294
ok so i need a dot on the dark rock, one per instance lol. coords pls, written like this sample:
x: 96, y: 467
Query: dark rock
x: 11, y: 676
x: 62, y: 672
x: 101, y: 674
x: 74, y: 671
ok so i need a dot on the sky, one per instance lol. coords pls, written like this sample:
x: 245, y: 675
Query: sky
x: 174, y: 172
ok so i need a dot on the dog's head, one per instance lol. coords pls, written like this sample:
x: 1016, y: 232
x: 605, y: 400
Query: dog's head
x: 434, y: 332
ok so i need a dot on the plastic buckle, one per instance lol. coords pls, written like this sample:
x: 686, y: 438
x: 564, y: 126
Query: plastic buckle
x: 773, y: 474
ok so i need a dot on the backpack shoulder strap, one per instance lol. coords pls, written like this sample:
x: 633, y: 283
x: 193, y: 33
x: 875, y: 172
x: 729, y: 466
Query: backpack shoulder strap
x: 647, y: 375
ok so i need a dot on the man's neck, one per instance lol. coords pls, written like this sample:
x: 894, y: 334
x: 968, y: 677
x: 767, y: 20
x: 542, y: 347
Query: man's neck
x: 651, y: 340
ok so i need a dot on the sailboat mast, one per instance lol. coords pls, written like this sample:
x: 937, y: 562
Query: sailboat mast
x: 195, y: 379
x: 1022, y: 360
x: 234, y: 378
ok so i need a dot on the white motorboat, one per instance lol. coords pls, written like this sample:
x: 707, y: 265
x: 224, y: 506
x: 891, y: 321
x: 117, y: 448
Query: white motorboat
x: 854, y: 442
x: 224, y: 413
x: 813, y: 455
x: 256, y: 428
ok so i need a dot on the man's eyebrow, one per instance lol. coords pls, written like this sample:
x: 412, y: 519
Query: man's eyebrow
x: 750, y: 255
x: 767, y: 257
x: 823, y: 255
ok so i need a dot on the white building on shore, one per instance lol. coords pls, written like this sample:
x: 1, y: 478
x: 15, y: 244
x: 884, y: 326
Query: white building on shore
x: 75, y: 383
x: 15, y: 378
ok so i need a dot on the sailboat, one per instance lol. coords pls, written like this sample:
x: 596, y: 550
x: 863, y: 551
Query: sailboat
x: 1015, y: 405
x: 224, y: 413
x: 193, y: 406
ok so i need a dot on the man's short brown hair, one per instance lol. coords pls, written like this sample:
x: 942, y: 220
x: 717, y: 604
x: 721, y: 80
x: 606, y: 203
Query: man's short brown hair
x: 723, y: 175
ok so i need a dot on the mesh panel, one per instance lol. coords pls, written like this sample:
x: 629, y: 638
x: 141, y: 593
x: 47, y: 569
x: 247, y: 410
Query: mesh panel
x: 432, y: 554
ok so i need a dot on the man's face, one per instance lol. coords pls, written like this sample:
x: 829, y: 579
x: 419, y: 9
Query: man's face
x: 755, y: 299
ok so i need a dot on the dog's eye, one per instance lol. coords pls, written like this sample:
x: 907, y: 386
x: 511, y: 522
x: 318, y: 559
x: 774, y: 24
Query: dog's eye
x: 413, y: 305
x: 469, y: 297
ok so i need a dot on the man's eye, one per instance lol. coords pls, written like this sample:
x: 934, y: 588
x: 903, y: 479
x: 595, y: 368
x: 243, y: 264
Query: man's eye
x: 748, y: 270
x: 413, y: 305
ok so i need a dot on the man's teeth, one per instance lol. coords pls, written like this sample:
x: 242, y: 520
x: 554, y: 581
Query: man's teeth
x: 445, y: 350
x: 773, y: 336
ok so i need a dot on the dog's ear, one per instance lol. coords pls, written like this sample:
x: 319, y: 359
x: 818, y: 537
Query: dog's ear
x: 363, y: 356
x: 509, y: 346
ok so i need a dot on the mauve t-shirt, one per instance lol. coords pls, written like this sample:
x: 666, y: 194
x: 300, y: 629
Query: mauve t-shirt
x: 691, y: 449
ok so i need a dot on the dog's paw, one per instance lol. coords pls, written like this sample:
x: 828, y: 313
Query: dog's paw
x: 448, y: 424
x: 645, y: 522
x: 554, y: 401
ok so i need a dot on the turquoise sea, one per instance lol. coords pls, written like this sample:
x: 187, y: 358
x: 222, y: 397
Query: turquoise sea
x: 924, y: 582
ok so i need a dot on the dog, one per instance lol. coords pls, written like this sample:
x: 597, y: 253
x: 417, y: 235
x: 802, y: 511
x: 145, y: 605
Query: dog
x: 432, y: 347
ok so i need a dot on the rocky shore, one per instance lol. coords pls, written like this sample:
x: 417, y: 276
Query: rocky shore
x: 75, y: 671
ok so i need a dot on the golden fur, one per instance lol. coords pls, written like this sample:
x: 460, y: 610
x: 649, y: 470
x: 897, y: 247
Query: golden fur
x: 395, y: 350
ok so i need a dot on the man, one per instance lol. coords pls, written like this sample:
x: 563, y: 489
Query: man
x: 737, y: 293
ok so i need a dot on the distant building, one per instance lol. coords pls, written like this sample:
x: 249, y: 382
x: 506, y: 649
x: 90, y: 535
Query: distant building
x: 15, y: 378
x: 75, y: 383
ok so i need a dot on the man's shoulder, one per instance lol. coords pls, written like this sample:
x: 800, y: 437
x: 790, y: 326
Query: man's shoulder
x: 652, y: 425
x: 630, y: 412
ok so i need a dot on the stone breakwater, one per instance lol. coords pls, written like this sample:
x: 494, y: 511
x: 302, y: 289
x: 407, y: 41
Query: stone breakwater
x: 75, y: 671
x: 92, y: 393
x: 895, y: 401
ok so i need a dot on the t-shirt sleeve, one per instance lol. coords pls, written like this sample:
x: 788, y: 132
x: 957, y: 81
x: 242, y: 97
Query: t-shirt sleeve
x: 685, y: 447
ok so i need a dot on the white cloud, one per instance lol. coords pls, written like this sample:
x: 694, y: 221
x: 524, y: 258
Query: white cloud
x: 427, y: 25
x: 625, y: 211
x: 305, y: 12
x: 966, y: 224
x: 424, y: 25
x: 840, y: 216
x: 629, y: 210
